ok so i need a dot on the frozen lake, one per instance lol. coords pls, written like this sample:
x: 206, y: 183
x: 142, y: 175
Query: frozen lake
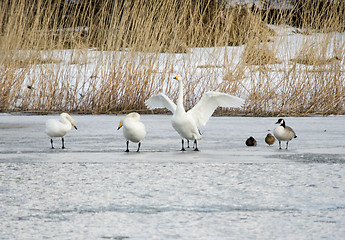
x: 94, y: 190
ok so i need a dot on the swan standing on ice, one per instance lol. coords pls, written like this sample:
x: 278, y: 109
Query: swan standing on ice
x: 283, y: 133
x: 133, y: 129
x: 56, y: 128
x: 186, y: 123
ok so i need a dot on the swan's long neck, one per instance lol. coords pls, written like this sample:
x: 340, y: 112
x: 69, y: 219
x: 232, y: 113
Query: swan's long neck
x: 66, y: 122
x: 179, y: 105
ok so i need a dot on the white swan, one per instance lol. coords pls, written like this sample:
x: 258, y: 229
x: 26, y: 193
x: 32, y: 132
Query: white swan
x: 133, y: 129
x: 283, y: 133
x: 56, y: 128
x: 186, y: 123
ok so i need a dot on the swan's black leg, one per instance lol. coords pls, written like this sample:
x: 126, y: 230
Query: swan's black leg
x: 139, y: 144
x: 63, y: 143
x: 196, y: 145
x: 51, y: 142
x: 182, y: 149
x: 280, y: 145
x: 127, y: 143
x: 188, y: 143
x: 287, y: 143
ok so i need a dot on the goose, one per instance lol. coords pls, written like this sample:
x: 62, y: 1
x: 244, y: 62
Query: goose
x: 250, y: 142
x: 133, y: 129
x: 283, y: 133
x: 269, y: 139
x: 59, y: 128
x: 186, y: 123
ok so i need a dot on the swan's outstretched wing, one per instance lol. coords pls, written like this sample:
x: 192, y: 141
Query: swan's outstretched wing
x: 204, y: 109
x: 160, y: 101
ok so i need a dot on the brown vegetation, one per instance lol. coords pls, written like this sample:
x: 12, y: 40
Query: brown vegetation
x: 124, y: 42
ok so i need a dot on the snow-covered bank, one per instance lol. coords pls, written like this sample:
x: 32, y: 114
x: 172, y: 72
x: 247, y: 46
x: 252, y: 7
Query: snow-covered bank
x: 306, y: 66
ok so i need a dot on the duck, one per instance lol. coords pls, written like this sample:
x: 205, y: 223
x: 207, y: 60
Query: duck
x: 133, y: 129
x: 59, y: 128
x: 250, y: 142
x: 284, y: 133
x: 270, y: 139
x: 187, y: 123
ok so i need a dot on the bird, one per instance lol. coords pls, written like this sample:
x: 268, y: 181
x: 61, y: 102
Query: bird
x: 283, y: 133
x: 133, y: 129
x: 186, y: 123
x: 59, y: 128
x: 251, y: 142
x: 269, y: 139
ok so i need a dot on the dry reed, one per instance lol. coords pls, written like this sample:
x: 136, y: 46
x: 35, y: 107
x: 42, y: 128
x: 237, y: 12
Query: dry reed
x: 114, y: 62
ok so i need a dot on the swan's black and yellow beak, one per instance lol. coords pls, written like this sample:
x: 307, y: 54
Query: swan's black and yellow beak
x: 176, y: 77
x: 120, y: 125
x: 75, y: 126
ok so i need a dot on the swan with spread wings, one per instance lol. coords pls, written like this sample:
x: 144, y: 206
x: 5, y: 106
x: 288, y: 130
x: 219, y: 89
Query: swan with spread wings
x: 187, y: 123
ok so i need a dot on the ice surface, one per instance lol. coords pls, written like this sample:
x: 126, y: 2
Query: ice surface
x: 94, y: 190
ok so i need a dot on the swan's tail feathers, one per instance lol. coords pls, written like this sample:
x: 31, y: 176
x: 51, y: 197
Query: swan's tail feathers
x: 160, y: 101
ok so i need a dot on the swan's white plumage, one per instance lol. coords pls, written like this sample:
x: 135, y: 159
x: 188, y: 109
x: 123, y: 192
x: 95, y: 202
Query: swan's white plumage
x: 204, y: 109
x: 185, y: 126
x: 187, y: 123
x: 59, y: 128
x: 160, y: 101
x: 133, y: 129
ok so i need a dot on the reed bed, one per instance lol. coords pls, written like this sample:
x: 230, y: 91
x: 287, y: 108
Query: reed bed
x: 104, y: 56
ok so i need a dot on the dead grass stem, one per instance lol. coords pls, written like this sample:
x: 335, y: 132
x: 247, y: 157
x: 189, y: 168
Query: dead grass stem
x: 130, y: 35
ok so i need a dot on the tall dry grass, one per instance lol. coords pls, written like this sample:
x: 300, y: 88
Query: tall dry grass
x: 113, y: 61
